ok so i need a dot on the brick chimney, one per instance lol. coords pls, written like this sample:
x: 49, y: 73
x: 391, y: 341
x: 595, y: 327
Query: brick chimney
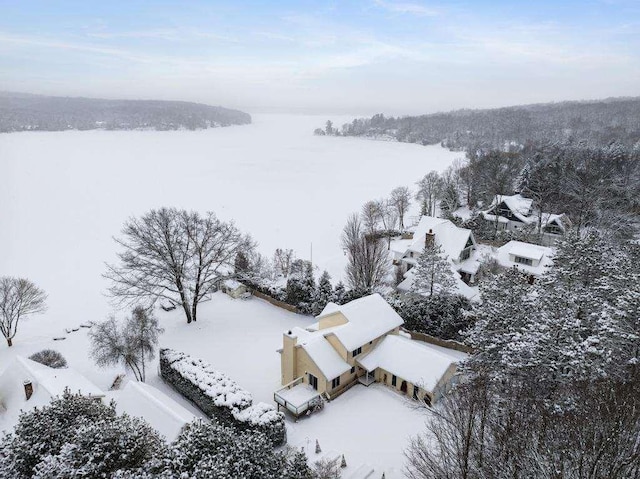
x: 429, y: 239
x: 28, y: 388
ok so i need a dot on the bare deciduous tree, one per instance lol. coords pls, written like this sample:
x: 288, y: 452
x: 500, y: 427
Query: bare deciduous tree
x: 368, y: 260
x: 400, y: 201
x: 282, y: 260
x: 174, y: 255
x: 132, y: 345
x: 428, y: 192
x: 19, y: 298
x: 371, y: 216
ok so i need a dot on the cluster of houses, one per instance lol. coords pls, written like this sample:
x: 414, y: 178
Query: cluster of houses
x: 466, y: 255
x: 362, y: 342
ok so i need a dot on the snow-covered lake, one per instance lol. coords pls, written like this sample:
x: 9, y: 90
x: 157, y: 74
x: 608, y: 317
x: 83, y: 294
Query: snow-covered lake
x: 63, y: 195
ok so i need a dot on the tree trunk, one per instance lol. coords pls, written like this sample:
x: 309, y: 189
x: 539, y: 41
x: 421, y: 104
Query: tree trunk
x: 9, y: 342
x: 187, y: 311
x: 194, y: 310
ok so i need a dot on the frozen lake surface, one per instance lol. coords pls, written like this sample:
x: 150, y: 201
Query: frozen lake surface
x: 65, y: 194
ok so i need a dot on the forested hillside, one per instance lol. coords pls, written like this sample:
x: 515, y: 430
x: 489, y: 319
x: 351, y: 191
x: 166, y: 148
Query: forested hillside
x: 22, y: 112
x: 597, y: 122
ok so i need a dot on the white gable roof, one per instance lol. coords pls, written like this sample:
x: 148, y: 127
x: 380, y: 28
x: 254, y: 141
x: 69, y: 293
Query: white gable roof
x: 159, y: 410
x: 534, y: 252
x: 451, y: 239
x: 368, y: 318
x: 47, y: 382
x: 420, y: 363
x: 55, y: 381
x: 325, y: 357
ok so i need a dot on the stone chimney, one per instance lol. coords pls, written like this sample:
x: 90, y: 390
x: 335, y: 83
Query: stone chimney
x: 429, y: 239
x: 28, y: 388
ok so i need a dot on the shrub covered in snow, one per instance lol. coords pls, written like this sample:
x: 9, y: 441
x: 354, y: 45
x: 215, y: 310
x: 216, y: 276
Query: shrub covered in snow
x: 442, y: 316
x: 50, y: 358
x: 264, y: 418
x: 219, y: 396
x: 75, y: 436
x: 213, y: 450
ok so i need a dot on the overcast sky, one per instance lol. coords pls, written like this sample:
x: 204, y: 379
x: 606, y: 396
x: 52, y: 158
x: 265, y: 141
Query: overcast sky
x: 397, y: 57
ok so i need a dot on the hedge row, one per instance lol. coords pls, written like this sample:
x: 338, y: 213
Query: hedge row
x: 219, y: 397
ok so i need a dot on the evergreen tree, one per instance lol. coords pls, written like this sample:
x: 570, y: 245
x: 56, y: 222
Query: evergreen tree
x: 339, y: 293
x: 324, y: 293
x: 301, y: 286
x: 433, y: 272
x: 241, y: 264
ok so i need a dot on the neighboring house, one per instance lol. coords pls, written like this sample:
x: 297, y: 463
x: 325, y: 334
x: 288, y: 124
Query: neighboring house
x: 457, y: 244
x: 25, y: 384
x: 354, y: 343
x: 529, y: 258
x: 515, y: 212
x: 159, y: 410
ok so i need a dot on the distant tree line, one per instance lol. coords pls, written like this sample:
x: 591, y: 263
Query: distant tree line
x: 598, y: 122
x: 20, y: 112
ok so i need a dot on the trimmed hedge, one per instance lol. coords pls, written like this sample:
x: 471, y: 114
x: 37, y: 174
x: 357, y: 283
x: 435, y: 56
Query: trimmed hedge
x: 219, y: 397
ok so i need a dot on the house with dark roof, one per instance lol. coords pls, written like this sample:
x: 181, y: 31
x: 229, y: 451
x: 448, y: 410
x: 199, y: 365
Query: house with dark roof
x: 515, y: 213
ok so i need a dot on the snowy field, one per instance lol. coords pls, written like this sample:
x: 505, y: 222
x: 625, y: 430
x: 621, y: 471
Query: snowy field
x: 64, y: 196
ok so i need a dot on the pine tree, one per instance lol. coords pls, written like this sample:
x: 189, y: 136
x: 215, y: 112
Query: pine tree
x: 433, y: 272
x: 324, y: 293
x: 339, y: 293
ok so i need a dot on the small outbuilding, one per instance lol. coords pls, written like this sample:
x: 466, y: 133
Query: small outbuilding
x: 234, y: 288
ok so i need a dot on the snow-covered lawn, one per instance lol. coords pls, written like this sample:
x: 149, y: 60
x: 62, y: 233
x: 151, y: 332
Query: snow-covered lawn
x: 240, y: 338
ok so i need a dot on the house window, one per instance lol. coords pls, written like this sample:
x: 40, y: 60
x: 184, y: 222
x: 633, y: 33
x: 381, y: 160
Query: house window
x: 465, y: 254
x: 335, y: 383
x: 415, y: 392
x: 521, y: 260
x: 313, y: 381
x: 355, y: 352
x: 394, y: 380
x: 353, y: 370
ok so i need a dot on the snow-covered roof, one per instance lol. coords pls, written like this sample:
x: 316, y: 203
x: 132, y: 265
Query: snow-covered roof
x: 526, y: 250
x: 47, y: 382
x: 420, y: 363
x: 522, y: 209
x: 55, y: 381
x: 232, y: 283
x: 368, y: 318
x: 448, y: 236
x: 541, y: 254
x: 518, y: 204
x: 461, y: 287
x: 159, y: 410
x: 325, y: 356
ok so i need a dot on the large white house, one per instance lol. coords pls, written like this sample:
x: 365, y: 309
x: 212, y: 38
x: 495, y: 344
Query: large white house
x: 515, y: 212
x: 360, y: 342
